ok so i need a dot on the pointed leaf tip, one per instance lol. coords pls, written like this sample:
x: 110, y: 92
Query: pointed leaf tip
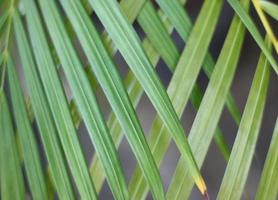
x: 206, y: 195
x: 202, y: 186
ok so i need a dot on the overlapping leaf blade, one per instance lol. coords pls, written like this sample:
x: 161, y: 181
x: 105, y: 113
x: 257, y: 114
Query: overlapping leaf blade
x: 128, y: 43
x: 43, y: 116
x: 109, y: 79
x: 181, y: 85
x: 157, y: 33
x: 268, y: 186
x: 135, y: 92
x: 85, y: 100
x: 131, y: 11
x: 211, y: 107
x: 153, y: 27
x: 58, y: 103
x: 153, y: 48
x: 244, y: 146
x: 27, y: 140
x: 182, y: 22
x: 246, y: 19
x: 12, y: 185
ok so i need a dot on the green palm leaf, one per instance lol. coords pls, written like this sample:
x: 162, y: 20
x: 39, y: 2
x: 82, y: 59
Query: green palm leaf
x: 157, y: 34
x: 12, y: 186
x: 243, y: 149
x: 41, y: 151
x: 109, y: 79
x: 42, y: 112
x: 246, y: 19
x: 268, y: 186
x: 182, y: 83
x: 26, y: 138
x: 82, y: 94
x: 182, y: 22
x: 123, y: 36
x: 270, y: 8
x: 211, y: 107
x: 58, y: 105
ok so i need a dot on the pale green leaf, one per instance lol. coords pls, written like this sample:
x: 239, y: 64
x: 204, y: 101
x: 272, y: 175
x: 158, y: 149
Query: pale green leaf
x: 182, y: 22
x: 43, y: 116
x: 268, y: 186
x: 58, y: 102
x: 244, y: 146
x: 27, y: 139
x: 247, y: 20
x: 209, y: 113
x: 85, y: 100
x: 59, y: 106
x: 270, y: 8
x: 109, y: 79
x: 177, y: 16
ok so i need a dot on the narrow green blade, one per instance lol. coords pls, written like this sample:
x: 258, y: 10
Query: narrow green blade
x: 244, y: 146
x: 156, y: 32
x: 112, y: 85
x: 58, y: 102
x: 12, y: 185
x: 131, y: 11
x: 209, y: 113
x: 27, y: 140
x: 161, y: 40
x: 177, y: 16
x: 85, y: 100
x: 128, y: 43
x: 182, y: 22
x: 270, y: 8
x: 246, y: 19
x: 166, y: 48
x: 135, y: 92
x: 268, y: 186
x: 181, y: 85
x: 43, y: 116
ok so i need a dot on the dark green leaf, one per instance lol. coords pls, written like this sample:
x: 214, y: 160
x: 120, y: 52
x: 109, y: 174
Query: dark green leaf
x: 12, y: 185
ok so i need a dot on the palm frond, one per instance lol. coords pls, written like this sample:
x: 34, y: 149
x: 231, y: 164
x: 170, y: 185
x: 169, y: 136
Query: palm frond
x: 268, y: 186
x: 250, y: 25
x: 27, y: 140
x: 43, y: 115
x: 239, y: 163
x: 211, y: 107
x: 128, y: 43
x: 54, y: 61
x: 12, y: 185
